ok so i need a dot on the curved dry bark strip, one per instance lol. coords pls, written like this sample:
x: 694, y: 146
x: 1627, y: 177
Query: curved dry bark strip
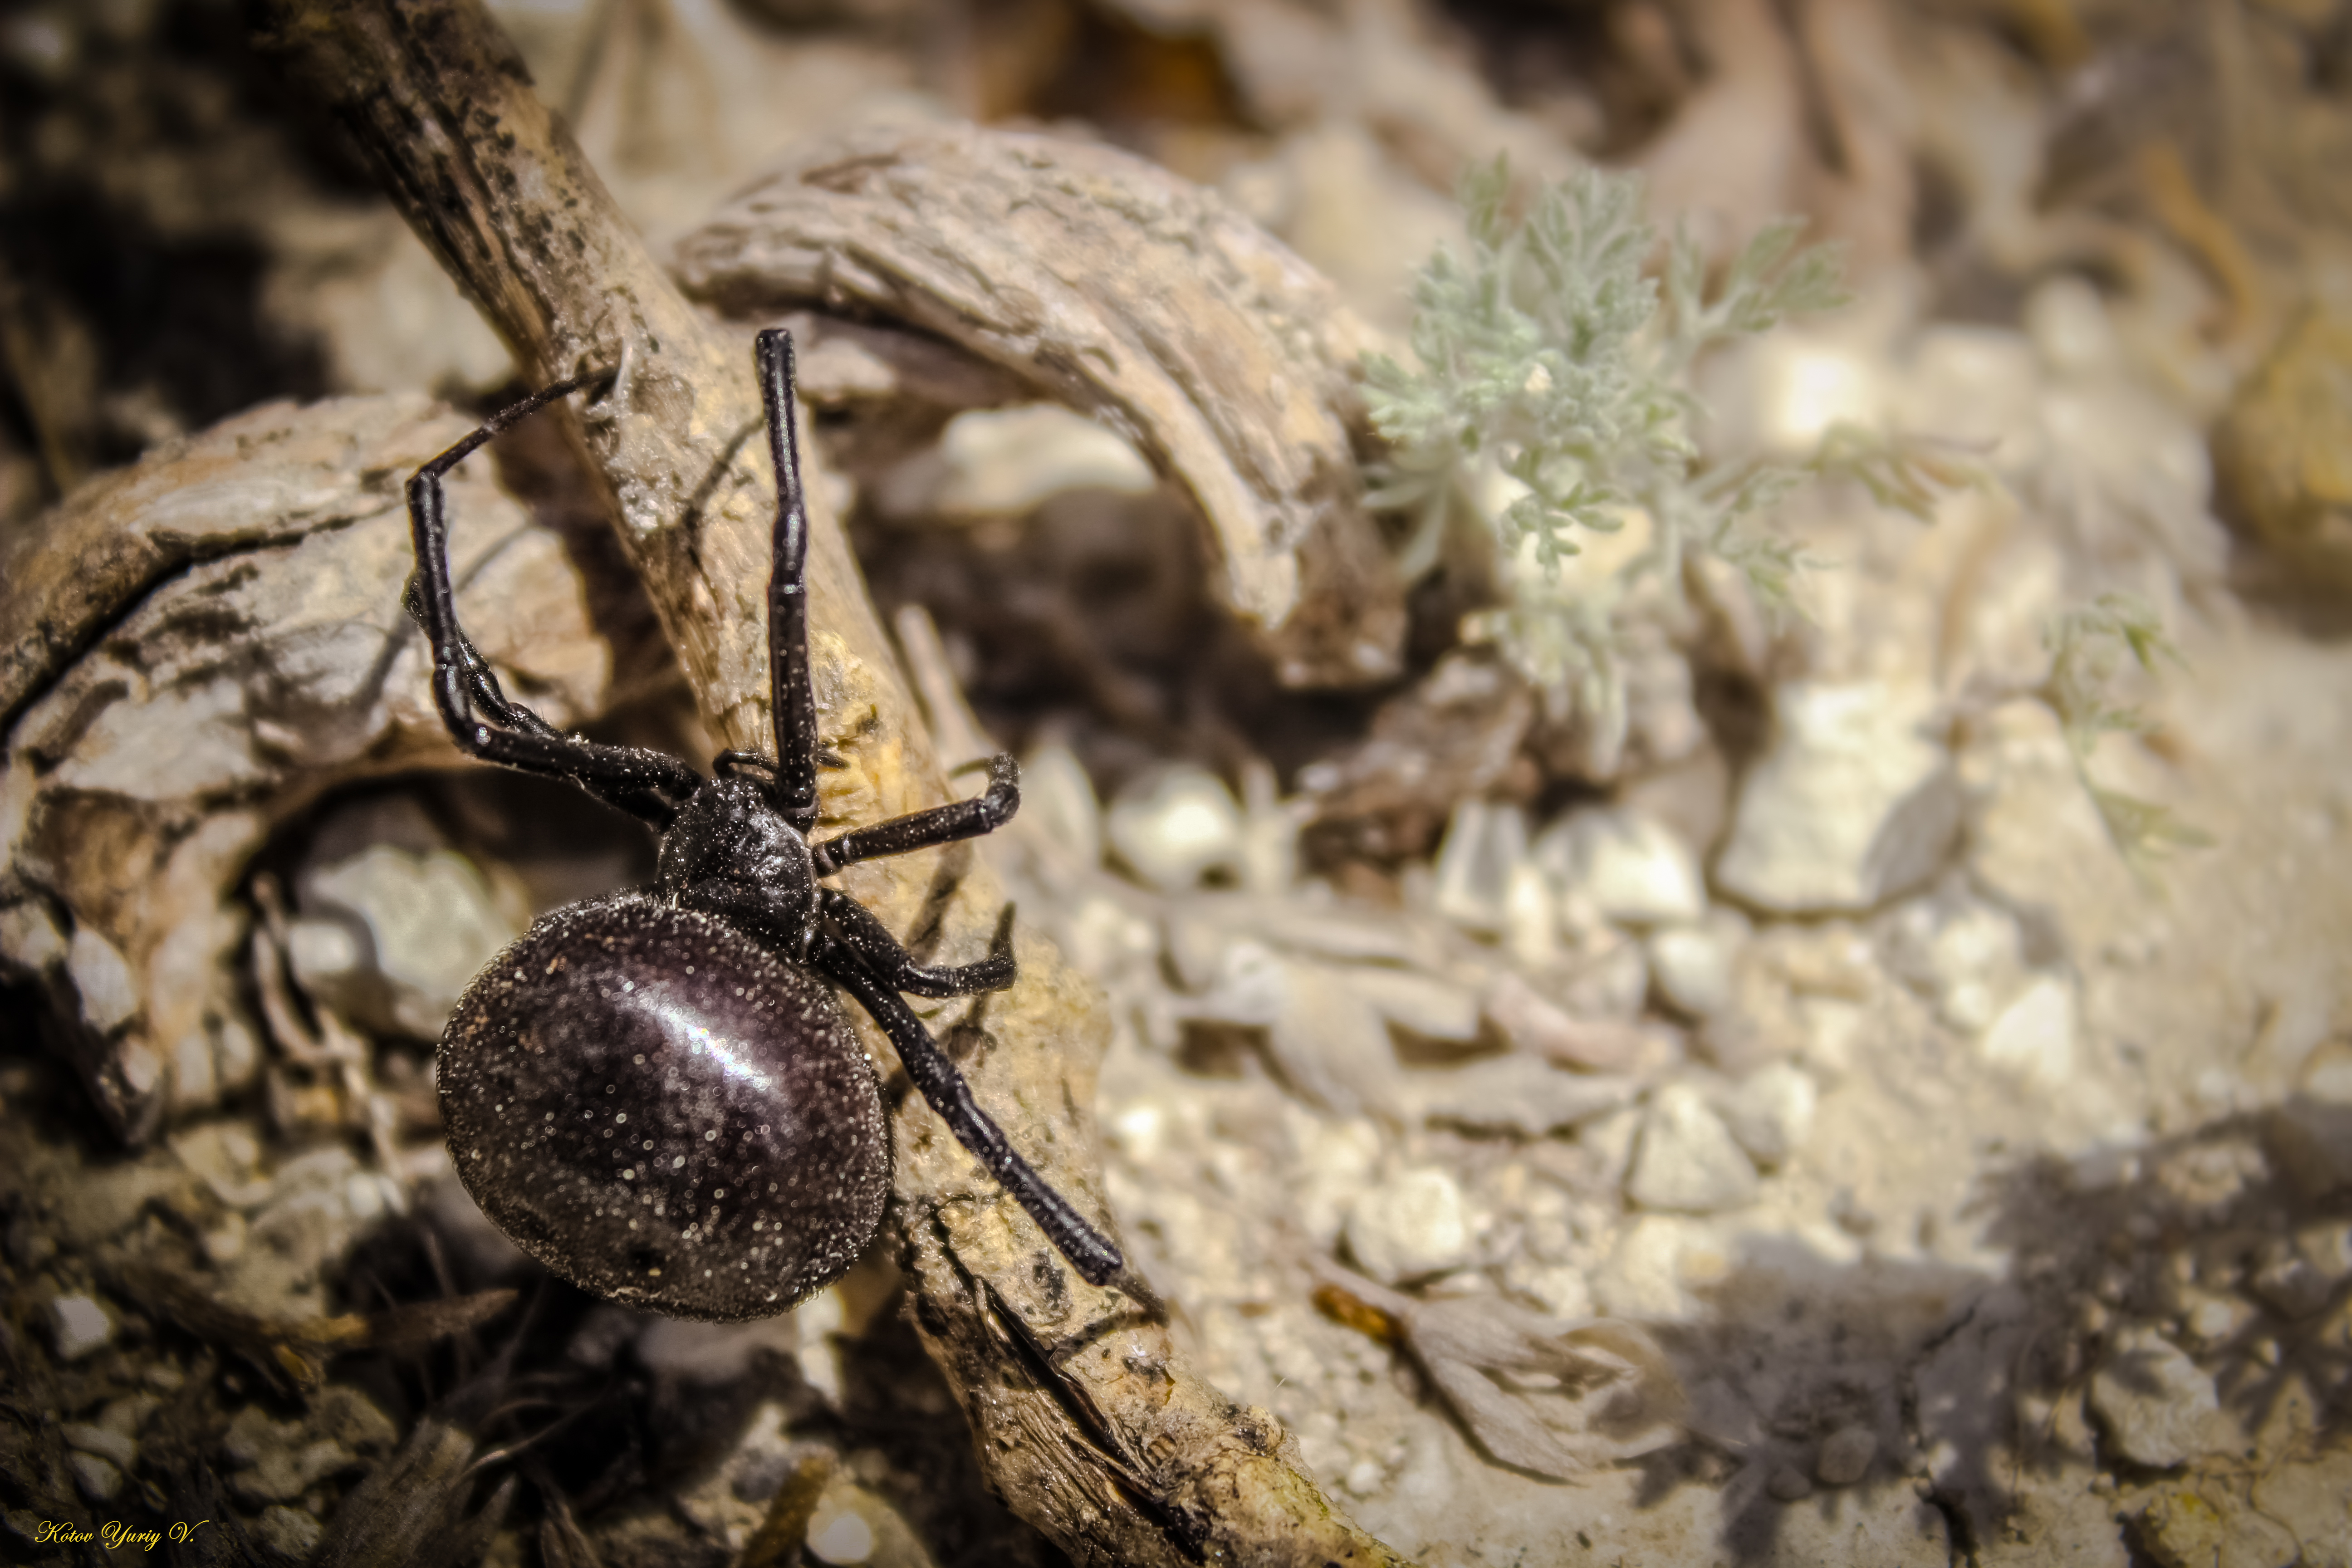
x: 235, y: 598
x: 439, y: 103
x: 1115, y: 287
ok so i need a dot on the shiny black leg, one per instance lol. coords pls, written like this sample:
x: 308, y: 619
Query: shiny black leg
x: 483, y: 720
x: 984, y: 813
x: 936, y: 1077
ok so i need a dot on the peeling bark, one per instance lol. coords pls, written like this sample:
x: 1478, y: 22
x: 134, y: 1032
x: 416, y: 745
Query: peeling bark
x: 439, y: 102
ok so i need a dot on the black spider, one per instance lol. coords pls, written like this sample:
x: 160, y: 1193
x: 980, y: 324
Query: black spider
x: 656, y: 1094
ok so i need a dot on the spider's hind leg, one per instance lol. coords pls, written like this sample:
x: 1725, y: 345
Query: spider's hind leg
x: 1091, y: 1253
x: 880, y: 952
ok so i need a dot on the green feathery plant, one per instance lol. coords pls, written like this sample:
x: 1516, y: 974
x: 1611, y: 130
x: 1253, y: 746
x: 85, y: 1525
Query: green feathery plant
x: 2087, y: 647
x: 1555, y: 373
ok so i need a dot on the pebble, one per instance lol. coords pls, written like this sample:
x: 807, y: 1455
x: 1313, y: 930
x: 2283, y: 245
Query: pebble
x: 1693, y: 965
x: 78, y: 1325
x: 1845, y: 1456
x: 1633, y: 868
x: 95, y: 1479
x: 433, y: 922
x: 1173, y: 824
x: 1483, y: 843
x: 1416, y: 1223
x: 1002, y: 462
x: 1851, y: 805
x: 2279, y: 450
x: 119, y: 1448
x: 1789, y: 1484
x: 2159, y: 1409
x: 1770, y: 1113
x: 2033, y: 1037
x: 1688, y: 1160
x: 1964, y: 954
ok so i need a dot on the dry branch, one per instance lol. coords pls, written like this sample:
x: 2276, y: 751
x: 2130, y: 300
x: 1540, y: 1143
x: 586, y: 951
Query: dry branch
x: 1101, y: 1438
x: 1115, y: 287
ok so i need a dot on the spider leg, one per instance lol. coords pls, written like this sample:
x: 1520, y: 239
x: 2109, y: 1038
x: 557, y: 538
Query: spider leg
x: 880, y: 952
x: 983, y: 813
x: 645, y: 783
x: 1089, y: 1251
x: 794, y: 706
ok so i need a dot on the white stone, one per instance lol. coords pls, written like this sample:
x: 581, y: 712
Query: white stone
x: 110, y: 997
x: 1633, y: 868
x: 1965, y: 954
x: 1770, y: 1113
x: 2159, y: 1409
x: 1002, y: 462
x: 434, y: 921
x: 1416, y: 1223
x: 95, y: 1479
x: 1688, y: 1160
x: 119, y: 1448
x: 2033, y: 1037
x: 78, y: 1325
x: 1174, y: 823
x: 1658, y: 1263
x: 1484, y: 844
x: 1852, y: 804
x: 1693, y: 965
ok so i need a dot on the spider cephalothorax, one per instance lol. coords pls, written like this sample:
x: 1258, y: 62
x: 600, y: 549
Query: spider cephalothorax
x: 656, y: 1094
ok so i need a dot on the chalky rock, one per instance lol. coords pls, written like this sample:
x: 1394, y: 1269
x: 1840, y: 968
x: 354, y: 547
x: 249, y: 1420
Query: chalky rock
x: 78, y: 1325
x: 1632, y: 867
x: 2158, y: 1409
x: 1688, y: 1160
x: 1411, y: 1225
x: 1693, y: 965
x: 433, y: 924
x: 1327, y: 1040
x: 2033, y: 1037
x: 2185, y: 1524
x: 1851, y: 805
x: 1770, y: 1113
x: 1484, y: 844
x: 1174, y: 823
x: 663, y: 1113
x: 1000, y: 462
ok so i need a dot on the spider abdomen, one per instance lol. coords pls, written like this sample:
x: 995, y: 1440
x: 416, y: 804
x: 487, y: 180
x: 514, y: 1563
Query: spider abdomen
x: 664, y: 1113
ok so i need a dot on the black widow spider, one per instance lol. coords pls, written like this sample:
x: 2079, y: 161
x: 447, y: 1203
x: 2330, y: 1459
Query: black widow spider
x: 656, y: 1094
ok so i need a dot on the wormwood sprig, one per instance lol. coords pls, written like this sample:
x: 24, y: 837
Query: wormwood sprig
x: 2088, y: 648
x: 1552, y: 399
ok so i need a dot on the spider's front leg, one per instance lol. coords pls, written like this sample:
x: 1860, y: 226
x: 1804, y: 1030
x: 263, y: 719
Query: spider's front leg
x: 983, y: 813
x: 483, y: 720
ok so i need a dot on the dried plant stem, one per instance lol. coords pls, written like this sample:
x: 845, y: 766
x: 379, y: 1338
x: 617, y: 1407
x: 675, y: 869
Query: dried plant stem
x: 1086, y: 1419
